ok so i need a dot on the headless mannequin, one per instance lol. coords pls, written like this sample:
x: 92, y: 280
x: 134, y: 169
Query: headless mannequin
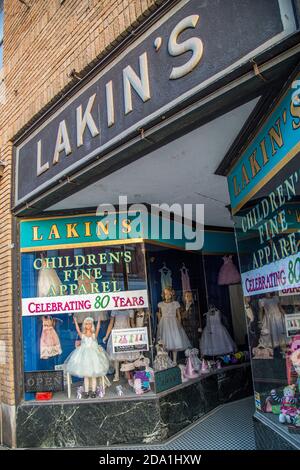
x: 116, y: 363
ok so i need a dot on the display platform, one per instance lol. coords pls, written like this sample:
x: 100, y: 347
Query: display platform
x: 146, y: 419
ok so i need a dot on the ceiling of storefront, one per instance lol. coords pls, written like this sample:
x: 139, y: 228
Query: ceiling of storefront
x: 180, y: 172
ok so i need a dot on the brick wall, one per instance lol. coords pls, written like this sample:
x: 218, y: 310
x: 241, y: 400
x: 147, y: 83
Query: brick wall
x: 42, y: 45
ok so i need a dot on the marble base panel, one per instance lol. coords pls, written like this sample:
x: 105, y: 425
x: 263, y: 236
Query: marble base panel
x: 144, y: 420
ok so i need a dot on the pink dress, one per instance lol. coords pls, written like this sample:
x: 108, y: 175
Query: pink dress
x: 49, y: 343
x: 228, y: 273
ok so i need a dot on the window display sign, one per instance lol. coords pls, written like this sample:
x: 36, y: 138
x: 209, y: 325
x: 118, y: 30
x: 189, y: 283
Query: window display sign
x: 292, y: 324
x: 84, y: 303
x: 130, y: 339
x: 166, y: 379
x: 44, y: 381
x: 290, y: 291
x: 284, y: 273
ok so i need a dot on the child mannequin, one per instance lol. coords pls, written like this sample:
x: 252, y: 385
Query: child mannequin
x: 169, y: 329
x: 89, y: 360
x: 121, y: 319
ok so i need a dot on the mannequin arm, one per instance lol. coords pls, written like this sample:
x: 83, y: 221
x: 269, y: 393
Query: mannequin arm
x: 98, y: 328
x: 159, y: 314
x: 109, y: 328
x: 77, y: 328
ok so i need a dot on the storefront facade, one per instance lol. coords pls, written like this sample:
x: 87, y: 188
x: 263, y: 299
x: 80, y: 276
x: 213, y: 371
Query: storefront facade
x: 179, y: 66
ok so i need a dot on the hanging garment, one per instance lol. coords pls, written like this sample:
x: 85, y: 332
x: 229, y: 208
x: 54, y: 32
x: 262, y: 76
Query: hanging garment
x: 228, y: 273
x: 170, y: 330
x: 273, y: 333
x: 165, y: 277
x: 47, y: 279
x: 185, y: 279
x: 49, y: 342
x: 215, y: 339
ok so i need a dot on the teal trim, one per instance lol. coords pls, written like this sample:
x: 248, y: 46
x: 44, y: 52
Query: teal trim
x: 219, y: 242
x: 283, y: 122
x: 84, y: 229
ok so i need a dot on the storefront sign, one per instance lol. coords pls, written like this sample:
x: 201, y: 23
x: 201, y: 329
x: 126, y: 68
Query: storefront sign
x: 275, y: 145
x: 289, y: 292
x: 44, y: 381
x: 87, y: 231
x: 284, y: 273
x: 292, y: 324
x: 185, y: 51
x: 165, y: 379
x: 130, y: 339
x: 84, y: 303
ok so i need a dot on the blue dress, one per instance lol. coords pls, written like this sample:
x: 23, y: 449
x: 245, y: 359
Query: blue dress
x: 88, y: 360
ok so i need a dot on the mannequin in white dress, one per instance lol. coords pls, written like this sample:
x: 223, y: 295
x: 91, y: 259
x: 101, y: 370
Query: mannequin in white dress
x: 170, y: 330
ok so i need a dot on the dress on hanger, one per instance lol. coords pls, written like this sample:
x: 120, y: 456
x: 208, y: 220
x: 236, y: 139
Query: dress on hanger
x: 165, y: 277
x: 49, y: 342
x: 273, y: 333
x: 228, y: 273
x: 170, y: 330
x: 88, y: 360
x: 215, y: 339
x: 185, y: 279
x: 47, y: 278
x: 122, y: 321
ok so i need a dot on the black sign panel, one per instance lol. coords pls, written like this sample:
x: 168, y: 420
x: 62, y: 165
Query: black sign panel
x: 194, y: 44
x: 166, y: 379
x: 44, y: 381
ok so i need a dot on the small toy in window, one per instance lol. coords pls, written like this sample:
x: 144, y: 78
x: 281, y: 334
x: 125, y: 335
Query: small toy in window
x: 119, y: 390
x: 79, y: 393
x: 288, y: 408
x: 204, y: 367
x: 100, y: 391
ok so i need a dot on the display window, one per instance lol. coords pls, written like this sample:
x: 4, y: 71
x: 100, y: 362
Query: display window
x: 268, y: 237
x: 85, y: 320
x: 107, y: 320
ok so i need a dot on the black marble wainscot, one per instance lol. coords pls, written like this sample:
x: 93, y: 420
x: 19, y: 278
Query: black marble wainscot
x: 181, y: 408
x: 127, y: 421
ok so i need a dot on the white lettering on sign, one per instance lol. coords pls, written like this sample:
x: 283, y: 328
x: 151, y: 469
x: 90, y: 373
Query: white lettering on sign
x: 85, y: 121
x: 139, y: 84
x: 133, y: 81
x: 193, y: 44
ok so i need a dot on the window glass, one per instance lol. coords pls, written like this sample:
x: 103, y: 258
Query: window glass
x: 268, y: 237
x: 81, y: 311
